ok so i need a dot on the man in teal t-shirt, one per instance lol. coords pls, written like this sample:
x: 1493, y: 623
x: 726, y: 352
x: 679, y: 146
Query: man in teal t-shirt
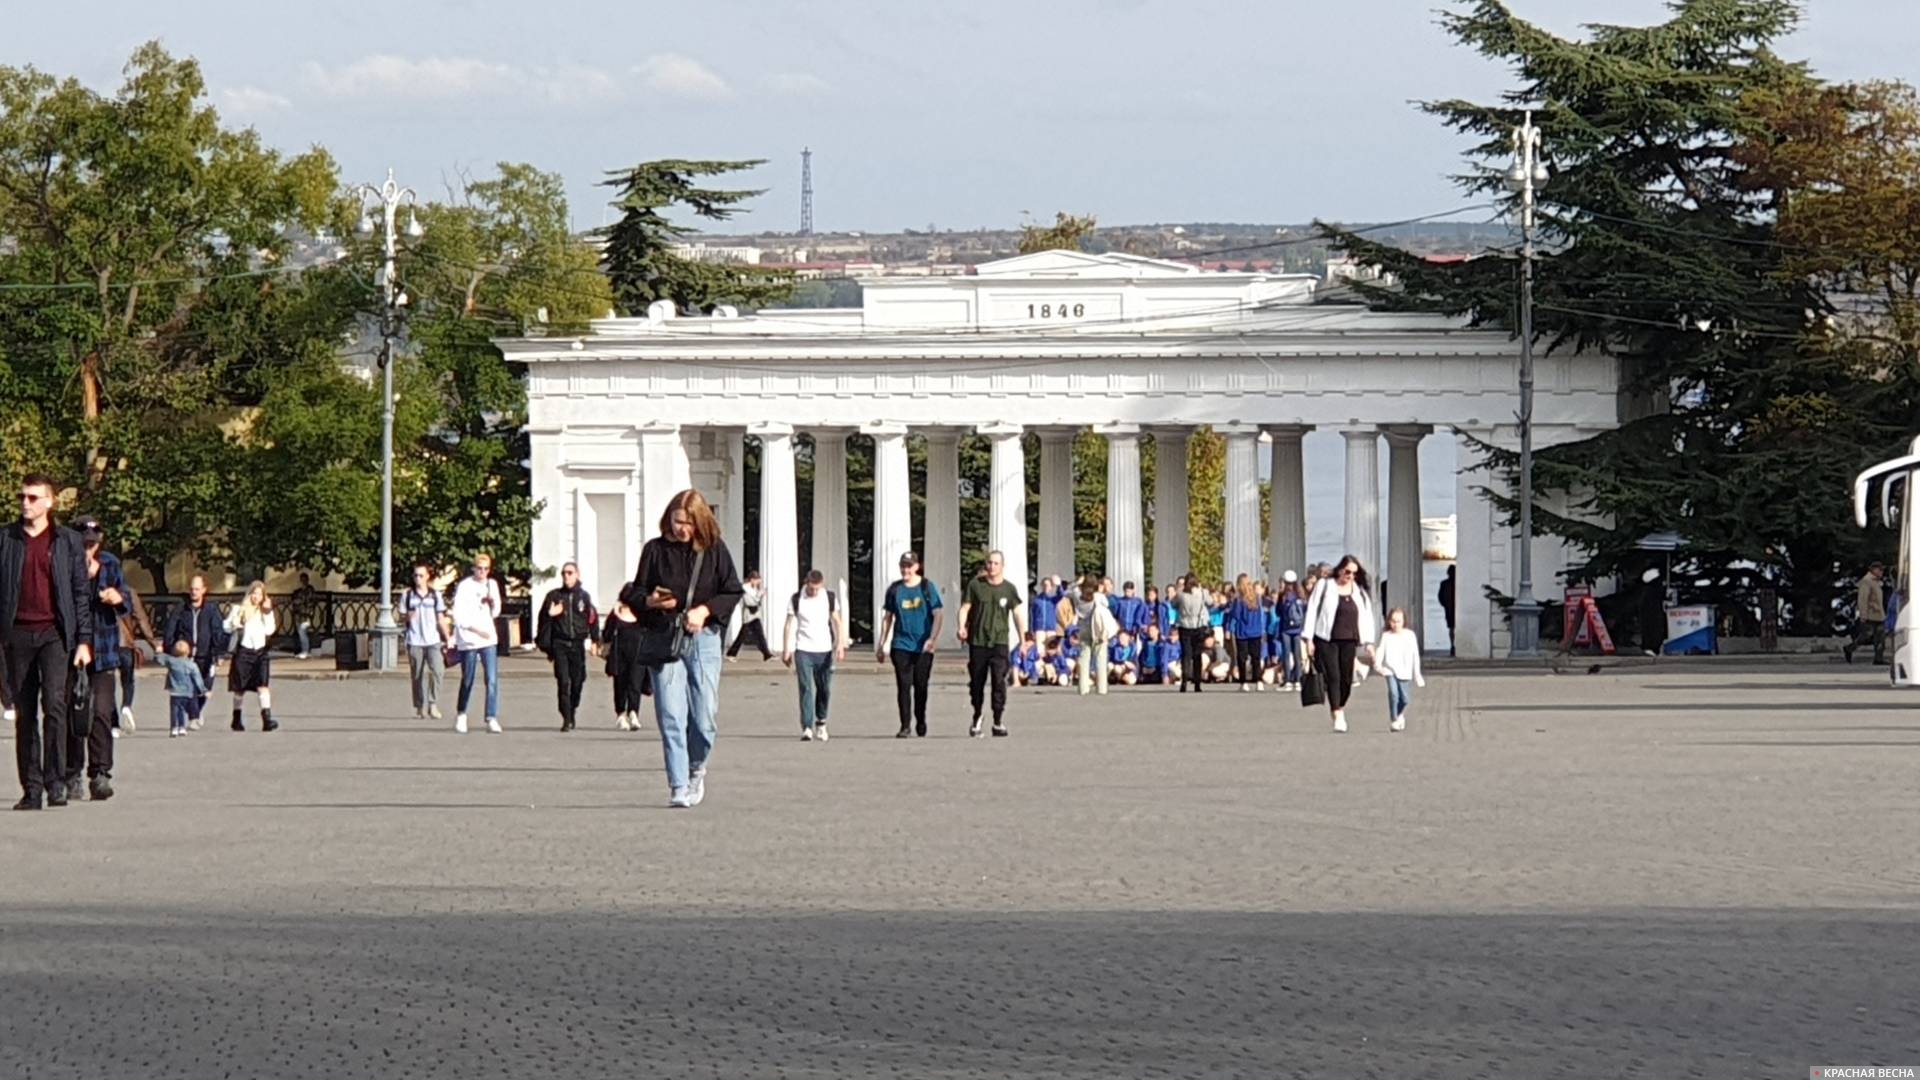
x: 989, y: 602
x: 910, y: 620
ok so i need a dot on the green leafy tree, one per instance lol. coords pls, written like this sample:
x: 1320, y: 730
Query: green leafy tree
x: 126, y: 216
x: 496, y: 259
x: 639, y: 258
x: 1741, y: 429
x: 1068, y: 231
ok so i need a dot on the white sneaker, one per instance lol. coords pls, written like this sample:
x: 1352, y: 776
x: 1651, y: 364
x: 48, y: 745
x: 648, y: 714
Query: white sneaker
x: 820, y: 730
x: 1339, y: 723
x: 696, y: 788
x: 302, y: 656
x: 680, y: 799
x: 196, y: 723
x: 433, y: 711
x: 1259, y: 688
x: 6, y: 715
x: 1399, y: 724
x: 622, y: 723
x: 126, y: 719
x: 460, y: 724
x: 493, y: 725
x: 115, y: 732
x: 806, y: 734
x: 633, y: 718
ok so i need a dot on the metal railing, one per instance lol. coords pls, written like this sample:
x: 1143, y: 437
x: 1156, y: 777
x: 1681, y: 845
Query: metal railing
x: 329, y: 613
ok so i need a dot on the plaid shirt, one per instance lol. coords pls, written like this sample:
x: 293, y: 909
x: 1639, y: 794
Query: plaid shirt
x: 106, y: 617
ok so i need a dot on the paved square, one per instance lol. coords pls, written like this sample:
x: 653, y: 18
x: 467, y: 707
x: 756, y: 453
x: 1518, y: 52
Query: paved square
x: 1701, y: 872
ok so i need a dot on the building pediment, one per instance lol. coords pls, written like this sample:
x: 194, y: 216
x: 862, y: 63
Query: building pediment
x: 1080, y: 264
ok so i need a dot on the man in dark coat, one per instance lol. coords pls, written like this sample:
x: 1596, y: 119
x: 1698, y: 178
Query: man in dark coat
x: 46, y: 619
x: 198, y: 622
x: 567, y: 623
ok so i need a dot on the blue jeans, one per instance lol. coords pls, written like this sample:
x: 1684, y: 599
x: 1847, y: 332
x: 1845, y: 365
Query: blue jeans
x: 1399, y: 696
x: 815, y: 671
x: 179, y: 711
x: 1291, y: 661
x: 304, y: 633
x: 686, y: 696
x: 489, y: 659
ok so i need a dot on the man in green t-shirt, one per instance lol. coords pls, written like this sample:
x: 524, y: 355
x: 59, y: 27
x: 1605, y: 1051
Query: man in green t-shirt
x: 990, y: 601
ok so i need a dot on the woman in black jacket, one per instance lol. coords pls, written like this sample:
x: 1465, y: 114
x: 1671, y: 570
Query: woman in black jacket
x: 620, y: 643
x: 687, y: 574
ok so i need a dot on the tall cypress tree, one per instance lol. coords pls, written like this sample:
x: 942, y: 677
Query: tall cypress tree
x: 1740, y: 429
x: 639, y: 257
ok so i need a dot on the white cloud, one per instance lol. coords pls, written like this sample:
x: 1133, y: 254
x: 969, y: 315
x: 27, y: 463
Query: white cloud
x: 797, y: 84
x: 251, y: 101
x: 674, y: 75
x: 385, y: 74
x: 463, y: 77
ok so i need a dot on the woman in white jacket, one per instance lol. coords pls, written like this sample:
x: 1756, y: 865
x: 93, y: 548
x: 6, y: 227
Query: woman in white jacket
x: 1340, y: 621
x: 251, y: 623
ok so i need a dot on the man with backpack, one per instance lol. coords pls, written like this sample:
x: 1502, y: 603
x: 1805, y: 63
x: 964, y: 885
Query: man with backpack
x: 816, y: 634
x: 910, y: 620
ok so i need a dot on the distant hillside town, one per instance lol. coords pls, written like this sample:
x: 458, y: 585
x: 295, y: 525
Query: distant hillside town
x: 827, y: 264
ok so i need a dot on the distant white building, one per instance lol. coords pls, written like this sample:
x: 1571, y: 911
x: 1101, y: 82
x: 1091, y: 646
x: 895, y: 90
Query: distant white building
x: 719, y: 253
x: 1050, y: 344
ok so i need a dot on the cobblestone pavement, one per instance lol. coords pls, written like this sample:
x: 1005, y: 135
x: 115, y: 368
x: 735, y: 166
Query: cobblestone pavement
x: 1639, y: 873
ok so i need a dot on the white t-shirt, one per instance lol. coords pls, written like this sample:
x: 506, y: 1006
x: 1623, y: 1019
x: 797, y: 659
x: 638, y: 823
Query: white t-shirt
x: 476, y: 604
x: 813, y: 623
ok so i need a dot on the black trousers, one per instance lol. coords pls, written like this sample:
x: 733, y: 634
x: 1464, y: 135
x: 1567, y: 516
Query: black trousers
x: 37, y: 684
x: 569, y: 674
x: 987, y: 664
x: 911, y: 672
x: 1334, y: 661
x: 1246, y: 654
x: 126, y: 678
x: 1193, y: 659
x: 91, y: 750
x: 756, y: 630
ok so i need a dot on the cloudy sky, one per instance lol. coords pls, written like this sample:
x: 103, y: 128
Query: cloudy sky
x: 954, y: 114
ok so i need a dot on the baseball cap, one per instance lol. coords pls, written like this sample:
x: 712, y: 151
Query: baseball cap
x: 89, y: 527
x: 908, y: 558
x: 1290, y: 577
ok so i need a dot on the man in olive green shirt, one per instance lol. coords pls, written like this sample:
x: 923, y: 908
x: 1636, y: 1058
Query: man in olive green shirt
x: 990, y: 600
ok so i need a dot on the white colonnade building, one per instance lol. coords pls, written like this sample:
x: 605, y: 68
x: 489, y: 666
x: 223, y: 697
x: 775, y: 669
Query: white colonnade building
x: 1053, y: 344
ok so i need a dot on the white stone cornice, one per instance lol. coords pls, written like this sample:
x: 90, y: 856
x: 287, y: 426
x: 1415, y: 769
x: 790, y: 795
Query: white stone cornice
x: 769, y: 429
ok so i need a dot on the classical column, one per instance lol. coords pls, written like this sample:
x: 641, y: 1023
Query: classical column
x: 830, y: 507
x: 1056, y: 502
x: 1171, y: 554
x: 664, y: 473
x: 1480, y: 540
x: 1287, y: 523
x: 1405, y: 568
x: 1007, y: 521
x: 733, y: 511
x: 942, y: 555
x: 1363, y: 497
x: 892, y: 508
x: 779, y: 521
x: 1126, y: 530
x: 1242, y: 547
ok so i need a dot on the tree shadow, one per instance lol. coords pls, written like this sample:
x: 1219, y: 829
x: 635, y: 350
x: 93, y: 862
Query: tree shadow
x: 647, y: 988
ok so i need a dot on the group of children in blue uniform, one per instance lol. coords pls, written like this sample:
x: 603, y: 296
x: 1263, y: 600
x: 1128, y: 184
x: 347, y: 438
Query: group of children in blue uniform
x: 1256, y: 644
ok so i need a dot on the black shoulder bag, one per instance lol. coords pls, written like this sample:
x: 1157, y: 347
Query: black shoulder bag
x: 667, y: 644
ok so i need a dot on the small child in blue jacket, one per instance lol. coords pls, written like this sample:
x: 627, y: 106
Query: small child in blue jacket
x: 185, y: 685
